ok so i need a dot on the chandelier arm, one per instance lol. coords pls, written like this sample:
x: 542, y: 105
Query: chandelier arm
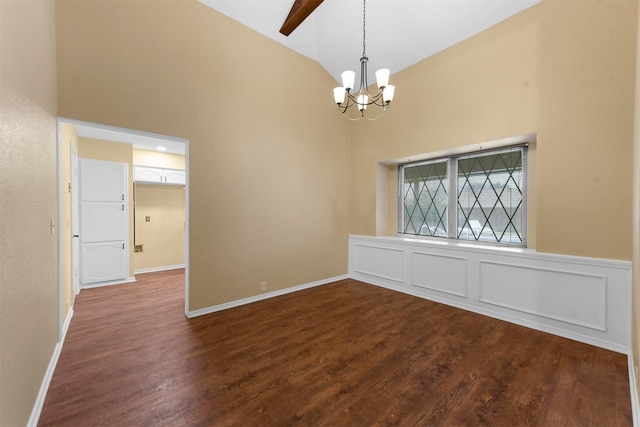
x: 346, y: 105
x: 364, y: 116
x: 373, y: 99
x: 382, y: 111
x: 353, y: 119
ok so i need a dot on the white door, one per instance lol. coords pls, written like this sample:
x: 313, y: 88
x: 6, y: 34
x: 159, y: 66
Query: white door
x: 104, y: 221
x: 75, y: 222
x: 103, y: 262
x: 102, y: 181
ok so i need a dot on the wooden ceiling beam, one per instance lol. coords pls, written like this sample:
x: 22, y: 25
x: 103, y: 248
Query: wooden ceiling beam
x: 300, y: 10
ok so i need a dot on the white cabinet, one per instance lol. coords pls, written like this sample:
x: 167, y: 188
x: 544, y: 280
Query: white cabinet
x: 146, y: 174
x: 104, y: 221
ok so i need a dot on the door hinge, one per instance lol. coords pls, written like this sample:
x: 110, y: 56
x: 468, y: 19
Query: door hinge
x: 122, y: 207
x: 69, y: 187
x: 123, y: 246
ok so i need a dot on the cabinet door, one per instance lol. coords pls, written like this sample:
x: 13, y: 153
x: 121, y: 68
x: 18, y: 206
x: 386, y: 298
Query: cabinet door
x: 173, y: 176
x: 103, y: 221
x: 102, y: 181
x: 103, y: 262
x: 146, y: 174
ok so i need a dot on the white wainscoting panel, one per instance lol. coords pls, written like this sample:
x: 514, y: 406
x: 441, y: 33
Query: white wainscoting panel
x: 442, y: 273
x: 568, y: 296
x: 382, y: 262
x: 585, y: 299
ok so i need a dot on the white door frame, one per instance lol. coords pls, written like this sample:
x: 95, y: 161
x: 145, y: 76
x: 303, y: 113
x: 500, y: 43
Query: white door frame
x: 128, y: 132
x: 75, y: 223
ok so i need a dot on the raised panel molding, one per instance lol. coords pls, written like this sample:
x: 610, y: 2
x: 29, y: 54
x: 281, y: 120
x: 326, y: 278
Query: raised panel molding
x: 382, y: 262
x: 567, y: 296
x: 103, y: 222
x: 585, y: 299
x: 103, y: 262
x: 443, y: 273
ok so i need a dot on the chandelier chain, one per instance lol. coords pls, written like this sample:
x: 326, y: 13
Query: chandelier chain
x: 364, y: 28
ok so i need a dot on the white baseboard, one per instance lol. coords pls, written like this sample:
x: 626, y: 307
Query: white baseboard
x: 255, y: 298
x: 111, y: 283
x: 532, y: 324
x: 154, y: 269
x: 584, y: 299
x: 44, y: 387
x: 633, y: 389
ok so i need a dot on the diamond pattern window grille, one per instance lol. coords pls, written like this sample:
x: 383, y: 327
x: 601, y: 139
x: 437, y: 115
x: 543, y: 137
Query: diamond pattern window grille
x: 425, y: 199
x: 480, y: 197
x: 491, y: 198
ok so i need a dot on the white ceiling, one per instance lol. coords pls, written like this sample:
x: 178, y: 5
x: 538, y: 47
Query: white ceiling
x: 399, y: 32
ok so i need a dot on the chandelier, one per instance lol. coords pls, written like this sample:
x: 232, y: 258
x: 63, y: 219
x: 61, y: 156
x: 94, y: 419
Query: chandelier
x: 344, y: 96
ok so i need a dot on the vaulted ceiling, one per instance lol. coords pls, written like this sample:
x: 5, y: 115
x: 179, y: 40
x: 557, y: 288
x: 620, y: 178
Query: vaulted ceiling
x: 399, y: 32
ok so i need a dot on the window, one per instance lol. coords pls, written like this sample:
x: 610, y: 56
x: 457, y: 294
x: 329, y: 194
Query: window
x: 480, y: 197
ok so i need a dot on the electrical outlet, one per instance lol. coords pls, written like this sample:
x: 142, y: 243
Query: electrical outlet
x: 263, y: 286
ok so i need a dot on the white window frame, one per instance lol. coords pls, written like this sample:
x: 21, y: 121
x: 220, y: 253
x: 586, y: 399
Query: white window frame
x: 452, y: 191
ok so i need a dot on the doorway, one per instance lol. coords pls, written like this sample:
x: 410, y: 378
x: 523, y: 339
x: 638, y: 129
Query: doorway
x: 71, y: 131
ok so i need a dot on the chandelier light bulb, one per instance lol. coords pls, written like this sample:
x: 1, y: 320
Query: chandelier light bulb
x: 382, y: 77
x: 348, y: 80
x: 387, y: 94
x: 338, y: 95
x: 363, y: 100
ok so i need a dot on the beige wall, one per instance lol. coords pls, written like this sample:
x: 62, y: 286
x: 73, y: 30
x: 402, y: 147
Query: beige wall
x: 565, y: 70
x: 68, y: 138
x: 158, y: 160
x: 635, y: 321
x: 110, y: 151
x: 163, y: 236
x: 268, y: 179
x: 28, y: 261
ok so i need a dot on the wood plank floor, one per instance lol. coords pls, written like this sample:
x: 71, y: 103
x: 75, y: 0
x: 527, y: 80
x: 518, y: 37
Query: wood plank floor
x: 342, y: 354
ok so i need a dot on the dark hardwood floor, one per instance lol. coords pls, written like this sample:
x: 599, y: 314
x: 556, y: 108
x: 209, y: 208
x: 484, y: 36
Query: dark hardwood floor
x: 343, y: 354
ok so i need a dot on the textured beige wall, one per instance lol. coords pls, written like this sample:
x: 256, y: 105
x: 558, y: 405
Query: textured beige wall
x: 68, y: 137
x: 565, y: 70
x: 635, y: 320
x: 163, y: 236
x: 28, y: 261
x: 158, y: 160
x: 268, y: 178
x: 111, y: 151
